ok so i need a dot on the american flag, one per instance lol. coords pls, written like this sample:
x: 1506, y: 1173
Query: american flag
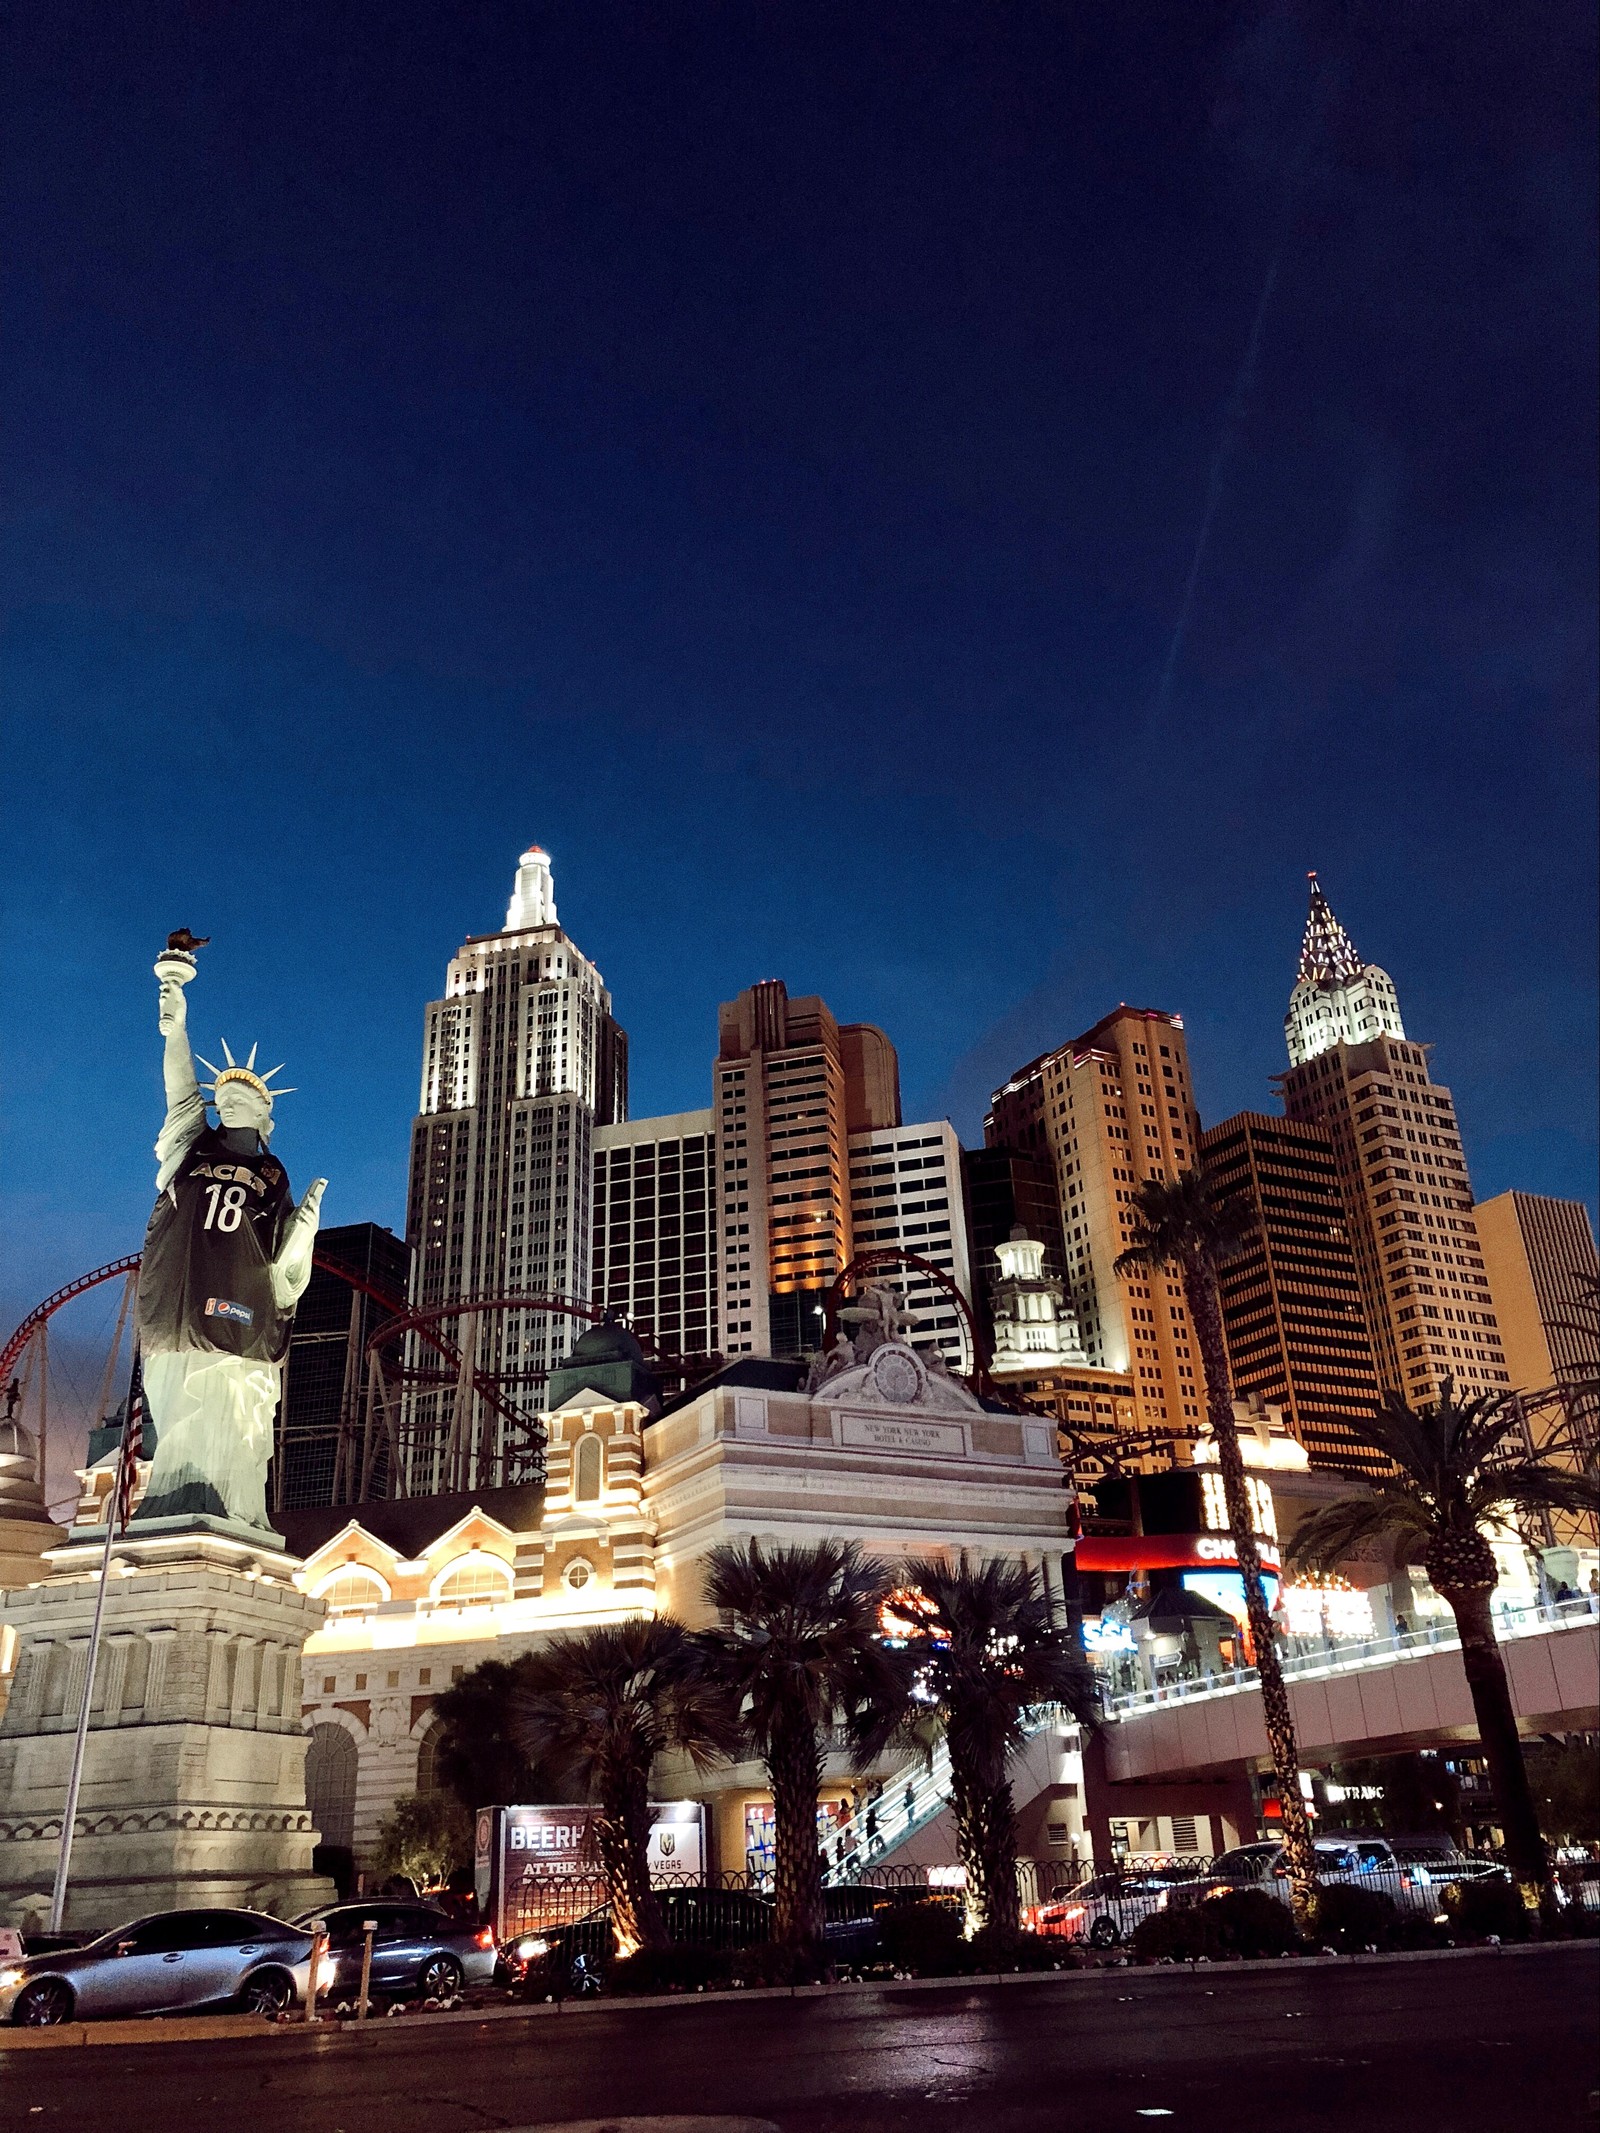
x: 128, y: 1461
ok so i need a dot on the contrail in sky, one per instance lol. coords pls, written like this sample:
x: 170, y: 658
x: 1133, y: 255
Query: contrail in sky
x: 1224, y: 452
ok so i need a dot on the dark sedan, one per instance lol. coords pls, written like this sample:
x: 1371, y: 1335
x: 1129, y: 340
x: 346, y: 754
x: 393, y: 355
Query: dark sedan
x: 573, y: 1956
x: 157, y: 1965
x: 415, y: 1949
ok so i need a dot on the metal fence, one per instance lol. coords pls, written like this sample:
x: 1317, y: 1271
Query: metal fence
x: 1069, y: 1901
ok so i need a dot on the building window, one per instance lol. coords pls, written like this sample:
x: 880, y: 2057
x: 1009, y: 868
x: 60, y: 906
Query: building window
x: 588, y: 1470
x: 331, y: 1784
x: 478, y: 1581
x: 353, y: 1592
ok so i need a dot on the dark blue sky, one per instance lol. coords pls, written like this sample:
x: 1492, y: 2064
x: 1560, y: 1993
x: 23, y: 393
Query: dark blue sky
x: 758, y: 452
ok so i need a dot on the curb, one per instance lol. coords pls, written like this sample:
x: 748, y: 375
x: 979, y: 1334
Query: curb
x: 202, y: 2029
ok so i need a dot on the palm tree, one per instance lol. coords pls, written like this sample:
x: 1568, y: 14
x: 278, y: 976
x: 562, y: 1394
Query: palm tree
x: 478, y: 1757
x: 799, y: 1651
x: 989, y: 1652
x: 600, y: 1707
x: 1182, y: 1225
x: 1461, y: 1467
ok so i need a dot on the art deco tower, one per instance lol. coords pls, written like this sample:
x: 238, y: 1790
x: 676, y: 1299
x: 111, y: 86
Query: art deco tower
x: 521, y: 1060
x: 1402, y: 1176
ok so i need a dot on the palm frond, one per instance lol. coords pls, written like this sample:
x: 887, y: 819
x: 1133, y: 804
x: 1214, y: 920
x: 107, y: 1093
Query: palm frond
x: 1184, y: 1221
x: 1332, y: 1533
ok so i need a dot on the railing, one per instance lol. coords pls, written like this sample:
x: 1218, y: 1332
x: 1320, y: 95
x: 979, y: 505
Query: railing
x: 907, y: 1803
x: 1312, y: 1659
x: 1066, y: 1900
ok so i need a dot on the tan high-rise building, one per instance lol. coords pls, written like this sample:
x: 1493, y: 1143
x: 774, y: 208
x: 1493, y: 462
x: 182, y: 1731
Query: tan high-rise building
x: 1291, y: 1303
x: 792, y: 1086
x: 1540, y: 1257
x: 1402, y: 1175
x: 1111, y: 1109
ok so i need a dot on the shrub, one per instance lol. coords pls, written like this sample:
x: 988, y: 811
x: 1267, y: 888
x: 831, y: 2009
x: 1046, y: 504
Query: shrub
x: 1240, y: 1922
x: 1484, y: 1907
x: 993, y: 1951
x: 770, y: 1963
x: 924, y: 1938
x: 1350, y: 1918
x: 675, y: 1969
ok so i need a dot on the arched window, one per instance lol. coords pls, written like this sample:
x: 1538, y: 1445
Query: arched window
x: 588, y: 1470
x: 331, y: 1784
x: 428, y: 1759
x: 353, y: 1592
x: 476, y: 1581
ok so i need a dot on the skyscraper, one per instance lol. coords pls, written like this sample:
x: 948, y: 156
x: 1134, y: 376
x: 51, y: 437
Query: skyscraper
x: 655, y: 1228
x: 521, y: 1060
x: 1291, y: 1302
x: 906, y: 1192
x: 1540, y: 1257
x: 1109, y: 1110
x: 320, y: 1451
x: 1402, y: 1175
x: 792, y: 1085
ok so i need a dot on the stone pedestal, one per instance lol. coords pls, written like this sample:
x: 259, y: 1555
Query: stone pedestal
x: 194, y: 1773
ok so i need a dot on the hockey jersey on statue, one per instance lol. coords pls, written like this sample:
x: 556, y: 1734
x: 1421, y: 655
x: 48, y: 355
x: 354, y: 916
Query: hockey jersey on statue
x: 205, y: 1280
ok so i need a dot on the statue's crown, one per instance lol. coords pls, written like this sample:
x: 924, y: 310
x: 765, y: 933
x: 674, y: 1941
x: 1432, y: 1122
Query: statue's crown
x: 221, y: 1076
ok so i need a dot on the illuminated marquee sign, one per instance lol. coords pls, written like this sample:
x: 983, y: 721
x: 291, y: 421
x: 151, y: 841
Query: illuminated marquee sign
x: 522, y: 1852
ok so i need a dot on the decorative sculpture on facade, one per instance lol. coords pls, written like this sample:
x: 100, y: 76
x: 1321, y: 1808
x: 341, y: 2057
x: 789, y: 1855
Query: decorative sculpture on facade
x: 227, y: 1257
x: 878, y: 1365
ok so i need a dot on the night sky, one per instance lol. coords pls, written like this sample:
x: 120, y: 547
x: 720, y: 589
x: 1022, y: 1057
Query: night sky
x: 759, y: 452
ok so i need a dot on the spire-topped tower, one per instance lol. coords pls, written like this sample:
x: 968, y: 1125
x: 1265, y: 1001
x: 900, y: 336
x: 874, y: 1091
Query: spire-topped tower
x: 1327, y: 953
x: 533, y: 897
x: 1338, y: 999
x: 1392, y: 1141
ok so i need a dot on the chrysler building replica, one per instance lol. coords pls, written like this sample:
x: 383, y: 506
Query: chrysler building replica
x: 1402, y: 1174
x: 521, y: 1061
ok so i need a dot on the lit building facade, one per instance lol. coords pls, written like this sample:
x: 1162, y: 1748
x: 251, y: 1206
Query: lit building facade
x: 1402, y: 1174
x: 791, y: 1086
x: 419, y: 1591
x: 906, y: 1193
x: 521, y: 1060
x: 1291, y: 1300
x: 1110, y: 1110
x: 1544, y: 1276
x: 655, y: 1228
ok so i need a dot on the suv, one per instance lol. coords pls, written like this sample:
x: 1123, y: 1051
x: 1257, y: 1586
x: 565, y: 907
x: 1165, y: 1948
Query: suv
x: 1356, y: 1862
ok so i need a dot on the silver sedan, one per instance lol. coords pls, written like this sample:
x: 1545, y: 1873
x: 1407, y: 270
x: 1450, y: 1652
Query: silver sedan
x: 159, y: 1965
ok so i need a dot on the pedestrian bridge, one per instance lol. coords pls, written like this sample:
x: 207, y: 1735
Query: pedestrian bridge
x: 1387, y: 1695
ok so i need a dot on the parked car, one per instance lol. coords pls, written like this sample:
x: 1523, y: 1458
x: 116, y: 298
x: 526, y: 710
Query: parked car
x: 1360, y: 1862
x: 571, y: 1957
x: 417, y: 1949
x: 156, y: 1965
x: 1105, y: 1910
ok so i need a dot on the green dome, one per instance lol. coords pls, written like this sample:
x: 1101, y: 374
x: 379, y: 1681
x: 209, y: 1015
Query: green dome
x: 608, y: 1360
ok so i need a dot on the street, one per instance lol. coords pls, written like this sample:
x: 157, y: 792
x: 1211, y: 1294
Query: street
x: 1489, y: 2041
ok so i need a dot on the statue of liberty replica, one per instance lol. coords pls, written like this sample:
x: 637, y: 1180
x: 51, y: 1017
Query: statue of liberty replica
x: 151, y: 1753
x: 227, y: 1257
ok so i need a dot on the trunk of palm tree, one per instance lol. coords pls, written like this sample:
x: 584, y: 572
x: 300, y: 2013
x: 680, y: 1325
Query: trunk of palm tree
x: 1497, y: 1732
x: 623, y: 1831
x: 986, y: 1843
x: 795, y: 1768
x: 1205, y: 1308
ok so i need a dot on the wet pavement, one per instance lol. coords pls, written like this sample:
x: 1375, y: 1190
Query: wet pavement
x: 1493, y: 2041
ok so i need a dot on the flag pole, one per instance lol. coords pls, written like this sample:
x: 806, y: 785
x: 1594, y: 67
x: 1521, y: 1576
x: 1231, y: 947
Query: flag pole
x: 116, y: 1507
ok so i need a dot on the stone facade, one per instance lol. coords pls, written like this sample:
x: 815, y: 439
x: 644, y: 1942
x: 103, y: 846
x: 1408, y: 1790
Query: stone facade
x: 193, y: 1787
